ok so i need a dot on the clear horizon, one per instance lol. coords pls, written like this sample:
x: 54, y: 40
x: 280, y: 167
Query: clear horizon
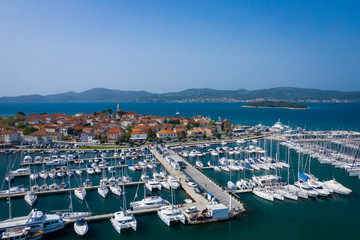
x: 163, y: 46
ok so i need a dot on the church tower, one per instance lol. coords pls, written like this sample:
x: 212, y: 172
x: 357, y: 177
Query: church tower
x: 118, y: 108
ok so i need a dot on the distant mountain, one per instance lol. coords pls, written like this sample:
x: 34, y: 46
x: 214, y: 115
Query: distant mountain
x: 194, y: 95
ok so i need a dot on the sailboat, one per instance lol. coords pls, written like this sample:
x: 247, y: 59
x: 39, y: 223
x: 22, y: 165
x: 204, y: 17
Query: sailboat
x: 69, y: 214
x: 30, y: 197
x: 37, y: 220
x: 177, y: 111
x: 81, y: 227
x: 123, y: 219
x: 169, y: 214
x: 80, y: 192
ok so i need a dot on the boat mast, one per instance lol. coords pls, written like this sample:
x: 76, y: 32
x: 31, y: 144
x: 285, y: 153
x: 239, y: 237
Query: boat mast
x: 288, y: 162
x: 9, y: 161
x: 71, y: 203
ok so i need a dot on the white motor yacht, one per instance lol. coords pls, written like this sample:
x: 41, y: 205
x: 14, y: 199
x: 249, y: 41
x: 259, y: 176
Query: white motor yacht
x: 21, y: 233
x: 36, y: 220
x: 149, y: 202
x: 81, y: 227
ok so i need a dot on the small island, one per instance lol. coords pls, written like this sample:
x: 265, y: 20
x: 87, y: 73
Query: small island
x: 276, y: 104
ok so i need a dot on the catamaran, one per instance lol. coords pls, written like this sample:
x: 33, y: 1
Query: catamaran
x: 169, y: 214
x: 123, y: 219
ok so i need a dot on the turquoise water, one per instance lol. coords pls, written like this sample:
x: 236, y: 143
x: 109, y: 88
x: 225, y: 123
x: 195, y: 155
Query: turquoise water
x: 324, y: 218
x: 318, y: 116
x: 321, y: 218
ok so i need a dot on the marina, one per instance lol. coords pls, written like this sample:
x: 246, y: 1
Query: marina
x: 219, y: 180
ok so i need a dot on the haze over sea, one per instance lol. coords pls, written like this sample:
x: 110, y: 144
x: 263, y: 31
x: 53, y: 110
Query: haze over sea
x: 319, y: 116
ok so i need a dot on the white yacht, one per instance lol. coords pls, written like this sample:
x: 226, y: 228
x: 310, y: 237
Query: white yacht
x: 173, y: 182
x: 30, y: 198
x: 21, y: 233
x: 338, y: 187
x: 81, y: 227
x: 103, y: 189
x: 36, y: 220
x: 318, y: 188
x: 264, y: 194
x: 306, y: 187
x: 153, y: 184
x: 149, y: 202
x: 21, y: 171
x: 115, y: 189
x: 27, y: 159
x: 80, y: 193
x: 123, y: 220
x: 169, y: 214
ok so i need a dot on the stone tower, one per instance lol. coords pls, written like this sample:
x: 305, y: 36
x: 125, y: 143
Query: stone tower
x: 118, y: 108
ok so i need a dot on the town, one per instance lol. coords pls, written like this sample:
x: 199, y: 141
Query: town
x: 108, y: 128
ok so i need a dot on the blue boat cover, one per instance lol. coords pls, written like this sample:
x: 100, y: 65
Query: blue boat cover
x: 303, y: 177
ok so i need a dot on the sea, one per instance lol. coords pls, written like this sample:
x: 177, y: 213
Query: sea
x: 331, y: 217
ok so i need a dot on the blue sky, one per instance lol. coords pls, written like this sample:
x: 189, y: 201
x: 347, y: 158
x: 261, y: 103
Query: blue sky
x: 159, y: 46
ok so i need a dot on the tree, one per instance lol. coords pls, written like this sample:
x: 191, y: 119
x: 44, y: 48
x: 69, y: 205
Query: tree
x: 212, y: 123
x: 65, y: 138
x: 128, y: 127
x: 21, y: 113
x: 70, y: 131
x: 184, y: 134
x: 218, y: 135
x: 151, y: 135
x: 29, y: 130
x: 21, y: 126
x: 103, y: 139
x: 43, y: 113
x: 109, y: 110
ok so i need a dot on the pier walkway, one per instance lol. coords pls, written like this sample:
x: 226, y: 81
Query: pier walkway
x: 220, y: 194
x: 16, y: 195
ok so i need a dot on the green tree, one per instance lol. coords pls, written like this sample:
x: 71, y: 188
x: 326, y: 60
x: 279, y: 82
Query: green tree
x: 109, y: 111
x: 70, y: 131
x: 65, y: 138
x: 21, y: 126
x: 29, y: 130
x: 21, y: 113
x: 184, y: 134
x: 43, y: 113
x: 128, y: 128
x: 218, y: 135
x: 212, y: 123
x: 151, y: 135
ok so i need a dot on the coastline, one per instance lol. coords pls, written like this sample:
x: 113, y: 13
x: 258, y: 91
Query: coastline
x: 277, y: 107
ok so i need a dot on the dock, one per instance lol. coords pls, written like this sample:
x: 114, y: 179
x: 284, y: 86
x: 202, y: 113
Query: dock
x: 221, y: 195
x: 17, y: 195
x: 110, y: 215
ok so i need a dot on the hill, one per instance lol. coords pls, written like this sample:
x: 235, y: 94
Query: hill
x: 194, y: 95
